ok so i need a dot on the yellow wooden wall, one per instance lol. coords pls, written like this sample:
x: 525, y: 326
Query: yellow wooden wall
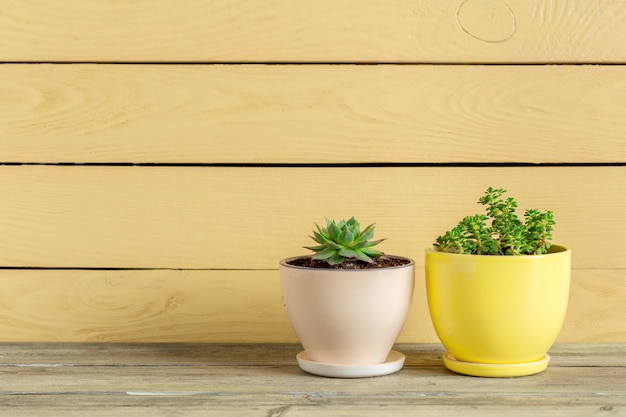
x: 159, y: 157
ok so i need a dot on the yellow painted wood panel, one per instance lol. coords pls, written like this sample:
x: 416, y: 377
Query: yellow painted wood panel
x: 165, y: 305
x: 596, y: 311
x: 319, y: 113
x: 229, y: 306
x: 249, y: 218
x: 319, y: 31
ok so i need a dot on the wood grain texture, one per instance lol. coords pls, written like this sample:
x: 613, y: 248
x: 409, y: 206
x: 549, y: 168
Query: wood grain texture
x: 249, y: 218
x: 184, y: 253
x: 322, y: 31
x: 136, y: 306
x: 264, y: 380
x: 216, y: 381
x: 427, y: 355
x: 324, y: 404
x: 230, y: 306
x: 312, y: 114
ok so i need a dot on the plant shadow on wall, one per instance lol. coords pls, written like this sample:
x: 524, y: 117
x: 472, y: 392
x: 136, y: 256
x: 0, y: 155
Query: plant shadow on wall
x: 348, y: 302
x: 498, y: 293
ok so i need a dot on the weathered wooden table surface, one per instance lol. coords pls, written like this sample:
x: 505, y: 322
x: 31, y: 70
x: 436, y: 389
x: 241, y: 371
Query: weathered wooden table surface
x: 265, y: 380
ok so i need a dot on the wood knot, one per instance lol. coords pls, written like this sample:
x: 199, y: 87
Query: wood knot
x: 490, y: 21
x: 173, y: 300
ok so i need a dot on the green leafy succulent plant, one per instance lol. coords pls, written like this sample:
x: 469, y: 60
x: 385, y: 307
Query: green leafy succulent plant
x: 341, y: 240
x: 507, y: 235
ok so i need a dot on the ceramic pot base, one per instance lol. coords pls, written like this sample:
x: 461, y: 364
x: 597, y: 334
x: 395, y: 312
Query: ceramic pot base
x: 394, y: 362
x: 495, y: 370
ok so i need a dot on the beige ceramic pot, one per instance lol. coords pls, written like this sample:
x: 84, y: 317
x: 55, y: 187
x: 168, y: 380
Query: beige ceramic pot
x: 347, y: 317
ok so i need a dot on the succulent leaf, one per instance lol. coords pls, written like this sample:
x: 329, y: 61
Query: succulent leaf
x: 372, y: 252
x: 333, y: 231
x: 367, y: 244
x: 348, y: 253
x: 368, y: 233
x: 324, y: 254
x: 361, y: 256
x: 345, y: 238
x: 319, y: 237
x: 333, y: 245
x: 336, y: 259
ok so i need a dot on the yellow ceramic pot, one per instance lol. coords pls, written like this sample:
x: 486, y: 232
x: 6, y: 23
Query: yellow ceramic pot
x: 498, y: 315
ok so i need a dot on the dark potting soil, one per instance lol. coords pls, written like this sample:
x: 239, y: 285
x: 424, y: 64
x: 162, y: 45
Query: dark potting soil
x: 380, y: 262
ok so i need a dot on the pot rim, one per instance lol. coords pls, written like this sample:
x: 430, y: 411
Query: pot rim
x: 558, y: 250
x: 283, y: 263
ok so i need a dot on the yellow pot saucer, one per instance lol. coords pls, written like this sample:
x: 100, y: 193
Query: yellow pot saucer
x: 495, y: 370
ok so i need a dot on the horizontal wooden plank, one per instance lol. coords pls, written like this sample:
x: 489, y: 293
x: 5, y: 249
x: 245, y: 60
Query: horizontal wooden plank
x: 312, y: 114
x: 315, y: 401
x: 264, y: 380
x: 229, y: 306
x: 196, y: 380
x: 424, y: 355
x: 596, y: 307
x: 325, y: 30
x: 142, y: 306
x: 249, y: 218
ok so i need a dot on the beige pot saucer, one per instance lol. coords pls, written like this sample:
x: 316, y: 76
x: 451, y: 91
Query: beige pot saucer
x: 393, y: 363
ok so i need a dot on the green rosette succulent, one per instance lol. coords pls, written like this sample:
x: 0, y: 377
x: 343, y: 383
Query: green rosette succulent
x: 343, y: 240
